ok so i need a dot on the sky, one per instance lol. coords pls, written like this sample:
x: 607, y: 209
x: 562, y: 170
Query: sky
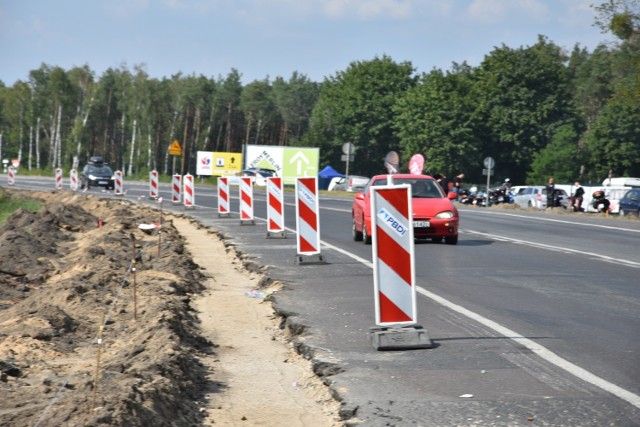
x: 265, y: 39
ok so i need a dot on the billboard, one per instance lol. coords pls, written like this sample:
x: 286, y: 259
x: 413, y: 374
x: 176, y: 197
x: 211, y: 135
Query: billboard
x: 218, y: 163
x: 288, y: 162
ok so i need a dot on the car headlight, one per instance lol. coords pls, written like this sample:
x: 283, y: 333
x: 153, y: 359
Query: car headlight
x: 445, y: 215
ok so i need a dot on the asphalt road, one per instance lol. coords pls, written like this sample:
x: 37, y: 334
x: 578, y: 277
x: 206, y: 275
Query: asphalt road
x: 535, y: 315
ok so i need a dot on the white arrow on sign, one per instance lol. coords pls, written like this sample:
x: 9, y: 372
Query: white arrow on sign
x: 299, y: 157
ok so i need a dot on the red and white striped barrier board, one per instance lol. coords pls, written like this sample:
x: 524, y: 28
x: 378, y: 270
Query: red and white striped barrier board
x: 189, y: 191
x: 307, y: 218
x: 118, y: 183
x: 73, y: 180
x: 246, y: 200
x: 176, y: 188
x: 393, y: 255
x: 153, y: 184
x: 11, y: 176
x: 58, y: 173
x: 223, y: 196
x: 275, y: 213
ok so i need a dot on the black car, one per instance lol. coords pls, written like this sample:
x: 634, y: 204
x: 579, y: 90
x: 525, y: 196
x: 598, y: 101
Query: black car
x: 97, y: 173
x: 630, y: 203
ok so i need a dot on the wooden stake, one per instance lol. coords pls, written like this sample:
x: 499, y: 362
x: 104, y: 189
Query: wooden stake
x: 96, y: 375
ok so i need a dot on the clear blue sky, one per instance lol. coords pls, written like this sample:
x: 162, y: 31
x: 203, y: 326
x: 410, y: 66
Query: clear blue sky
x: 270, y: 38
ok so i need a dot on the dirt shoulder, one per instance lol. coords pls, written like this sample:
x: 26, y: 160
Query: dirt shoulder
x: 115, y: 325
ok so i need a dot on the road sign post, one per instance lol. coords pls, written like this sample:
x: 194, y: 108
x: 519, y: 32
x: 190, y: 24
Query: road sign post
x: 275, y: 211
x: 308, y: 222
x: 394, y: 271
x: 489, y: 163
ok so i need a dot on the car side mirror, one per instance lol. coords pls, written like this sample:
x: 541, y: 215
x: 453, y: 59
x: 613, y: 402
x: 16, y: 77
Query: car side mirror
x: 359, y: 195
x: 452, y: 196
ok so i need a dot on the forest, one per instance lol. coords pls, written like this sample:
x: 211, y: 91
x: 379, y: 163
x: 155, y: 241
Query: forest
x: 538, y: 110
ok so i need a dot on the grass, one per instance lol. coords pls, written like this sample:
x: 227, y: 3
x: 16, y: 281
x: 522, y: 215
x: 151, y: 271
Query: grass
x: 9, y: 204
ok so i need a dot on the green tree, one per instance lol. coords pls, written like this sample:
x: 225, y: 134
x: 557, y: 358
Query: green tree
x: 559, y: 159
x: 356, y: 106
x: 435, y: 119
x: 523, y: 97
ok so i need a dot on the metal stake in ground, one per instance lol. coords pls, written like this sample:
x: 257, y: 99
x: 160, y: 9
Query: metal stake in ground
x: 133, y: 270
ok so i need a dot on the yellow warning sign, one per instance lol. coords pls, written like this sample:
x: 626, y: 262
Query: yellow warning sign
x: 175, y: 149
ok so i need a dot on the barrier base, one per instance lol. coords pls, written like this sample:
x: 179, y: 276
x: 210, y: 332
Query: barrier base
x: 400, y: 338
x: 276, y: 235
x: 247, y: 222
x: 189, y: 207
x: 223, y: 214
x: 310, y: 259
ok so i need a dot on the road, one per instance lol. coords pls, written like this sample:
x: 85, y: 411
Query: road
x: 535, y: 316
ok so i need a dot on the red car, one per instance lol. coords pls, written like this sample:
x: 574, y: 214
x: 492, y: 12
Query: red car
x: 434, y: 215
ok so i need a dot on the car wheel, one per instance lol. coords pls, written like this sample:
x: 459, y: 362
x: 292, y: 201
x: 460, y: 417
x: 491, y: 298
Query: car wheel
x: 451, y: 240
x: 357, y: 235
x: 366, y: 238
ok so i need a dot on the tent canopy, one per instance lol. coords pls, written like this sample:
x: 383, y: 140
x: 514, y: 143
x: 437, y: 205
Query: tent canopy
x: 326, y: 175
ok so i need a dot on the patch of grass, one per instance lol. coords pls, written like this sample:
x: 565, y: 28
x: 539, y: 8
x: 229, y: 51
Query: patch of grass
x: 9, y: 204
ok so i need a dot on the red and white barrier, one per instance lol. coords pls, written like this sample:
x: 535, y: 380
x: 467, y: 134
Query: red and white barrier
x: 153, y: 184
x: 393, y: 255
x: 118, y: 183
x: 73, y: 180
x: 11, y: 176
x: 176, y: 189
x: 58, y: 174
x: 189, y: 192
x: 246, y: 200
x: 308, y: 220
x: 275, y: 213
x: 223, y: 196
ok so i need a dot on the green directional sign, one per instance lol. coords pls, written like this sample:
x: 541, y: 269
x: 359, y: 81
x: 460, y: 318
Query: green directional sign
x: 300, y: 162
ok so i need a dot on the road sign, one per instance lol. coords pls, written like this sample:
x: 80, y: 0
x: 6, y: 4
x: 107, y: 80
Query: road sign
x: 489, y: 163
x: 348, y: 148
x: 344, y: 158
x: 175, y: 149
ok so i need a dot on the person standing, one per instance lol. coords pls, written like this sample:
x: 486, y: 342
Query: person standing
x: 551, y: 193
x: 577, y: 198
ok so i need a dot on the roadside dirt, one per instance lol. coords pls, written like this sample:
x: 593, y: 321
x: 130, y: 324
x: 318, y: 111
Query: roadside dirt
x: 115, y: 325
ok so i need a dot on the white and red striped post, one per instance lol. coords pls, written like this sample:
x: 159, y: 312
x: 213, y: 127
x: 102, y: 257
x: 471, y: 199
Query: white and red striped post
x: 58, y: 174
x: 246, y: 200
x: 189, y: 192
x: 118, y: 183
x: 275, y: 213
x: 394, y: 270
x: 308, y: 221
x: 73, y: 180
x: 223, y: 196
x: 11, y: 176
x: 153, y: 184
x: 176, y: 188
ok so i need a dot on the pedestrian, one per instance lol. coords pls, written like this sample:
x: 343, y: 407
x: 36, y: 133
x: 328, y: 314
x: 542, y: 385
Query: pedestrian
x: 551, y: 193
x: 577, y: 198
x: 457, y: 184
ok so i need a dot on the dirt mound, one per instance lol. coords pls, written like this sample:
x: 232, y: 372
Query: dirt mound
x: 95, y: 322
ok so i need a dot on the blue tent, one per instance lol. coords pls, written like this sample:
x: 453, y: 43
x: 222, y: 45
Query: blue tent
x: 325, y: 176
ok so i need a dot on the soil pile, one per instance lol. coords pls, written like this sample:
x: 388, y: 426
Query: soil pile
x: 96, y: 326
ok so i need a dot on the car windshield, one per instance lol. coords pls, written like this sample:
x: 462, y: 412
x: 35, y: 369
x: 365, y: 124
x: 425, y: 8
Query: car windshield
x: 420, y: 188
x: 102, y: 170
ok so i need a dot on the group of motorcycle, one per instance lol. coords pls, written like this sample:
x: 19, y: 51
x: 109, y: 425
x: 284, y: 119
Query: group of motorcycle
x: 474, y: 197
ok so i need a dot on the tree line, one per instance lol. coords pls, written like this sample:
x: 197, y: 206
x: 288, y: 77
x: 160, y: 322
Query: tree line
x: 538, y: 110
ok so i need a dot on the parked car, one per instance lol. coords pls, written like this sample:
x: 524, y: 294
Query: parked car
x: 630, y: 203
x: 97, y: 173
x: 434, y: 215
x: 536, y: 197
x: 348, y: 183
x: 259, y: 176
